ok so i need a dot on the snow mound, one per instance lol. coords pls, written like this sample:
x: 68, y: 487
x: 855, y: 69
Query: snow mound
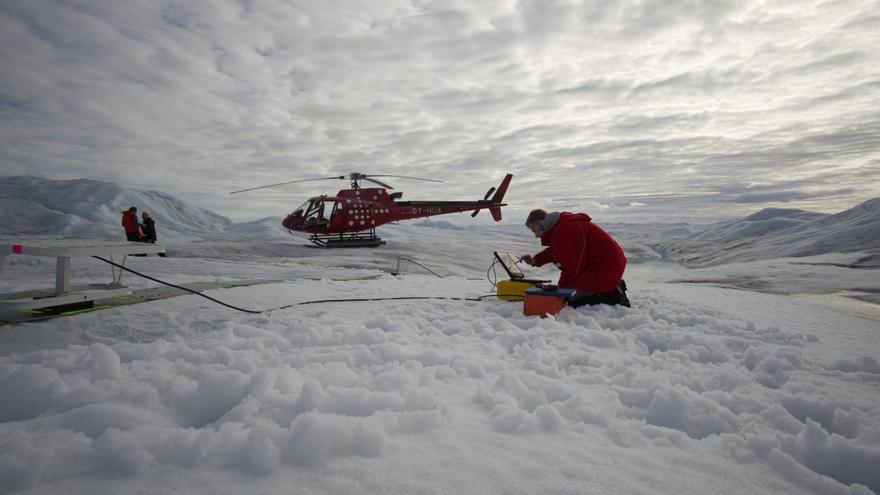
x: 440, y: 224
x: 21, y: 216
x: 765, y: 221
x: 89, y: 208
x: 268, y: 228
x: 793, y: 214
x: 775, y: 232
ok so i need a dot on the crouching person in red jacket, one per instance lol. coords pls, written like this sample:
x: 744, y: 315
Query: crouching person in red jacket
x: 590, y: 260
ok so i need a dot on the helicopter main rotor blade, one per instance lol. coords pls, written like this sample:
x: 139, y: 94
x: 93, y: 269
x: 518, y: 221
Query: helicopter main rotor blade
x: 405, y: 177
x: 283, y: 183
x: 377, y: 182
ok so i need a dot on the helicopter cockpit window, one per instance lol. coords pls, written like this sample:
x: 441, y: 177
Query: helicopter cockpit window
x: 318, y: 214
x: 301, y: 210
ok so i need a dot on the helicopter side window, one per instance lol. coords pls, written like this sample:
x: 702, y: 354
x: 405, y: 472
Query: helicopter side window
x: 323, y: 219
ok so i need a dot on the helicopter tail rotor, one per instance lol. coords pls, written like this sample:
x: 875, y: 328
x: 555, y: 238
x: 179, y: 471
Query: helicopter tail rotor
x: 495, y: 203
x: 498, y: 197
x: 486, y: 197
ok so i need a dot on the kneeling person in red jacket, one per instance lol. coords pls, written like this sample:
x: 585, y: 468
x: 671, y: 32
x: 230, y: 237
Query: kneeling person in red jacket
x: 590, y: 260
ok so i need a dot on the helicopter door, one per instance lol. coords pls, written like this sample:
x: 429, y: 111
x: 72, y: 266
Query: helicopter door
x: 336, y: 211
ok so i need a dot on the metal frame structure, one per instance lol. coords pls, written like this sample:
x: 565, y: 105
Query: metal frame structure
x: 64, y: 295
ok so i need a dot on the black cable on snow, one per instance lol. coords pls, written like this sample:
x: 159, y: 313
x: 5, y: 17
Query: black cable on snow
x: 494, y: 281
x: 318, y: 301
x: 191, y: 291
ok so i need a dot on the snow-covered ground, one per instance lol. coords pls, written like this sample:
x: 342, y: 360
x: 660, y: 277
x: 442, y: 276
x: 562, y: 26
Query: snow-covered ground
x: 705, y: 385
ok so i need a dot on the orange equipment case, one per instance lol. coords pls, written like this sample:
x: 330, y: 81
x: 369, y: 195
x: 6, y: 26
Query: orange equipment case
x: 543, y: 302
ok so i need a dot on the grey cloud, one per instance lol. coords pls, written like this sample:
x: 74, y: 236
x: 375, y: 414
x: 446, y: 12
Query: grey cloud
x: 594, y: 99
x: 831, y: 62
x: 545, y: 19
x: 652, y: 18
x: 599, y: 88
x: 859, y: 92
x: 866, y: 22
x: 788, y: 196
x: 655, y: 123
x: 687, y: 83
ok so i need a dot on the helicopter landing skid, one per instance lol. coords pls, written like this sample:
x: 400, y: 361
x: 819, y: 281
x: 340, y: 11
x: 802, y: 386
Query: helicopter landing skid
x: 351, y: 239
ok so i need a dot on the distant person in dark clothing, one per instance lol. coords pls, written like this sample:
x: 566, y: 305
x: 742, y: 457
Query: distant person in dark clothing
x: 131, y: 225
x: 149, y: 228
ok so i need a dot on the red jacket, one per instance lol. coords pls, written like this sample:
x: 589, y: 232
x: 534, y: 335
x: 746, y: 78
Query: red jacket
x: 590, y: 260
x: 130, y: 222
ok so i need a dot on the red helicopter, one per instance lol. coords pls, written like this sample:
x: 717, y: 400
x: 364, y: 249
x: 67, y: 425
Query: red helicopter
x: 350, y: 218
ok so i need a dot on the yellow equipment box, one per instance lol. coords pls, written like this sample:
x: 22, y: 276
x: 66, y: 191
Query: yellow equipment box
x: 512, y: 290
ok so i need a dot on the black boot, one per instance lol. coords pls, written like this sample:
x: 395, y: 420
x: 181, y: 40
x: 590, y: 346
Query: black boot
x: 621, y: 298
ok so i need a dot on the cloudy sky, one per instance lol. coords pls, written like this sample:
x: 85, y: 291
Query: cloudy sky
x: 664, y: 107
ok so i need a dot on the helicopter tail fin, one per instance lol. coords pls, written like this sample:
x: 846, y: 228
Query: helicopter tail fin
x: 499, y: 193
x: 496, y: 213
x: 498, y: 197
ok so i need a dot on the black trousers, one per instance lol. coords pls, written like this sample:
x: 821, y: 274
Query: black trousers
x: 613, y: 298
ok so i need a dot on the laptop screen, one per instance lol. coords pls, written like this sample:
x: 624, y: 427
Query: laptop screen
x: 509, y: 265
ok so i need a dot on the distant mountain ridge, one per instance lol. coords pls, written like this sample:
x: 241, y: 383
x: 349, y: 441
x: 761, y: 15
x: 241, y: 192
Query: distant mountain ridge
x: 763, y: 222
x: 89, y: 208
x: 777, y: 232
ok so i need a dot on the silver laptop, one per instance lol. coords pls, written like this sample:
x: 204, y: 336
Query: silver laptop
x: 513, y: 271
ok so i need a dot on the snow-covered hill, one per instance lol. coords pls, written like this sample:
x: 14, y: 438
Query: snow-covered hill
x: 268, y: 228
x: 774, y: 233
x: 763, y: 222
x: 89, y: 208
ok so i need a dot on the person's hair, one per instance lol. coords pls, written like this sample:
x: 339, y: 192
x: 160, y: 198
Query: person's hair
x: 537, y: 215
x: 132, y: 209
